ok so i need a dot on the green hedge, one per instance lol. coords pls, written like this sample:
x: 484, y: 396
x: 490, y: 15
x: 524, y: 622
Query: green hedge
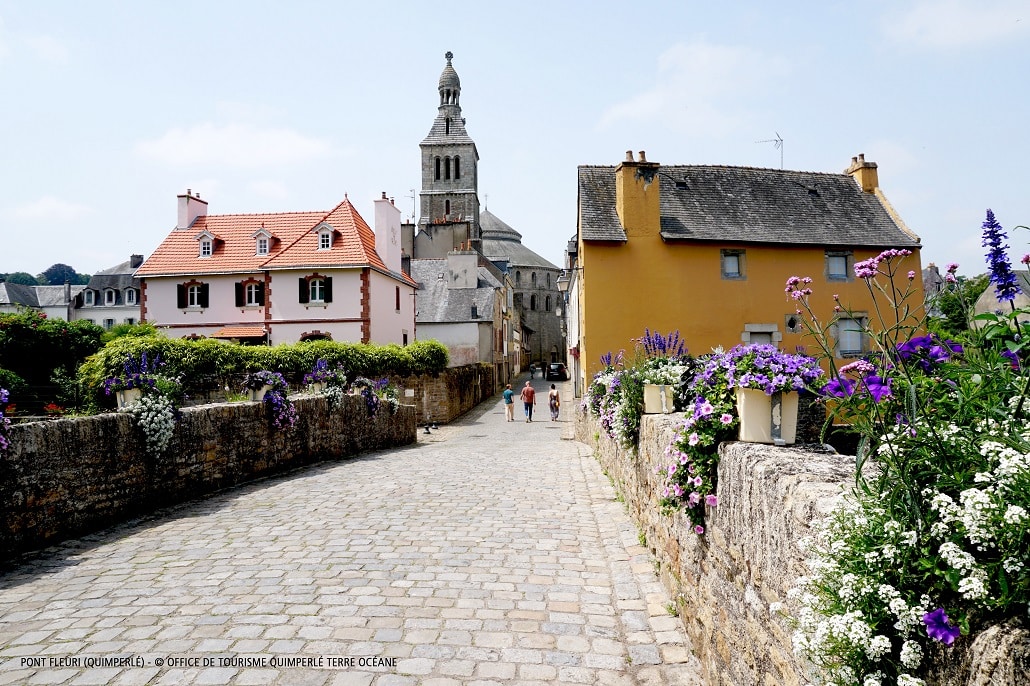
x: 205, y: 362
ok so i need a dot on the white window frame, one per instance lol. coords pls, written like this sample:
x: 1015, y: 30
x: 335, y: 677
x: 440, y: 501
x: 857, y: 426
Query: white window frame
x: 316, y: 291
x: 193, y: 295
x: 735, y: 258
x: 262, y: 245
x: 206, y: 247
x: 251, y: 292
x: 833, y: 258
x: 108, y: 324
x: 110, y: 298
x: 130, y: 296
x: 325, y: 239
x: 87, y: 297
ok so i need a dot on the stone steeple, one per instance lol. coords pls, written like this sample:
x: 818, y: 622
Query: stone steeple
x: 450, y: 164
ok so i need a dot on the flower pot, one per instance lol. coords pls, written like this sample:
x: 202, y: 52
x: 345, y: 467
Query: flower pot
x: 259, y: 394
x: 657, y: 399
x: 127, y: 397
x: 767, y: 418
x: 316, y: 386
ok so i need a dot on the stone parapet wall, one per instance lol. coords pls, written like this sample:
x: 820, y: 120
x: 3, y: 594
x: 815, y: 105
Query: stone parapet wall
x: 70, y: 476
x: 454, y: 392
x: 725, y: 581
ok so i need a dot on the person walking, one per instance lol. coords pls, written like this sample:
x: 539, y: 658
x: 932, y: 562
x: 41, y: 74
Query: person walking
x: 554, y: 402
x: 528, y: 400
x: 509, y: 403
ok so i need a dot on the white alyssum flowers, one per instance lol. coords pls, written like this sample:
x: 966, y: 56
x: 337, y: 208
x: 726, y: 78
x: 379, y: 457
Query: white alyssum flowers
x: 156, y: 417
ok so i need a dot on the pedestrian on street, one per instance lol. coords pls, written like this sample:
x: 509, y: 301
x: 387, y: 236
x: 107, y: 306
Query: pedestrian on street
x: 554, y: 402
x: 528, y: 400
x: 509, y: 403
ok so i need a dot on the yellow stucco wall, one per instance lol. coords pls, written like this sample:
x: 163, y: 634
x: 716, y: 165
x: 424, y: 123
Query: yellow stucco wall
x: 646, y: 282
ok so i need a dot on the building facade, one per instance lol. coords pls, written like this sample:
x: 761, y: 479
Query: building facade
x: 112, y: 296
x: 706, y: 251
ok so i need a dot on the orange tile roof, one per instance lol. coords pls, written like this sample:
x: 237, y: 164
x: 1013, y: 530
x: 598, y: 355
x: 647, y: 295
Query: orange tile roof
x: 295, y: 244
x: 239, y: 332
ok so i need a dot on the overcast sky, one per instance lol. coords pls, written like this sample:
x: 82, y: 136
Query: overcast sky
x: 112, y: 109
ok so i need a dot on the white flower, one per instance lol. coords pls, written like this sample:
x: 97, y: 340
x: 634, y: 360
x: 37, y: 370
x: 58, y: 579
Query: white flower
x: 974, y: 586
x: 911, y: 654
x: 906, y: 680
x: 1015, y: 514
x: 877, y: 647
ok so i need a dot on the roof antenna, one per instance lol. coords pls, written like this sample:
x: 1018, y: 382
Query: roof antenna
x: 777, y: 143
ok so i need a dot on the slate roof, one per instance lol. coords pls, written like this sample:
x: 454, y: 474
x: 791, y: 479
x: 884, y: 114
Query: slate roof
x: 294, y: 244
x: 501, y: 242
x: 53, y: 296
x: 748, y: 205
x: 438, y: 304
x: 118, y: 277
x: 18, y: 294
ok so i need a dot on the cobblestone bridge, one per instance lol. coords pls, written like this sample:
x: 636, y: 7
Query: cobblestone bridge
x: 489, y: 553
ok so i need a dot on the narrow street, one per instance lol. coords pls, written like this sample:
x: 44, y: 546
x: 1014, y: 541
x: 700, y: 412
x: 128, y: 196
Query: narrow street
x: 489, y: 553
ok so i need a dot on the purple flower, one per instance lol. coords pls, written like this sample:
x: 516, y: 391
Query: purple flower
x: 839, y: 388
x: 878, y: 387
x: 939, y: 628
x: 711, y: 500
x: 698, y: 529
x: 1002, y: 276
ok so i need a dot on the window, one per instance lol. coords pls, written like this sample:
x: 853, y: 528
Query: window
x: 457, y: 167
x: 447, y: 168
x: 325, y: 240
x: 761, y: 338
x: 436, y: 174
x: 108, y: 324
x: 518, y: 278
x: 130, y: 296
x: 446, y: 207
x: 837, y: 265
x: 532, y: 279
x: 850, y: 337
x: 316, y: 289
x: 130, y: 320
x: 404, y: 338
x: 397, y: 299
x: 532, y: 302
x: 254, y: 294
x: 732, y: 264
x: 110, y: 297
x: 262, y: 245
x: 192, y: 294
x: 205, y: 247
x: 548, y: 307
x: 87, y: 296
x: 761, y: 334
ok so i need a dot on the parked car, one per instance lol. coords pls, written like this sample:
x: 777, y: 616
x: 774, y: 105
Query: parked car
x: 556, y: 371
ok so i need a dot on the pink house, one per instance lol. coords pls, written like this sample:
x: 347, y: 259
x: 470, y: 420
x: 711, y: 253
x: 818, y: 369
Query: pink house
x: 280, y: 277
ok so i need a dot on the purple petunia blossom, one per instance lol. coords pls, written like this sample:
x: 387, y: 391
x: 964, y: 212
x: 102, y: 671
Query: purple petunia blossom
x: 939, y: 628
x: 711, y: 500
x: 839, y: 388
x: 878, y: 387
x: 726, y: 418
x: 699, y: 529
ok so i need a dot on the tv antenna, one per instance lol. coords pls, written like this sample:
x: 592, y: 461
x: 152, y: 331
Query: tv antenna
x: 777, y: 143
x: 412, y: 196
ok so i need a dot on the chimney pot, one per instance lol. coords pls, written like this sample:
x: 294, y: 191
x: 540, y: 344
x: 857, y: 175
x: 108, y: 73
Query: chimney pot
x: 642, y: 157
x: 384, y: 195
x: 854, y: 161
x: 629, y: 155
x: 861, y: 157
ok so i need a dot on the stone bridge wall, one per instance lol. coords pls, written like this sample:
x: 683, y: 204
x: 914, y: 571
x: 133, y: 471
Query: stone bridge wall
x: 725, y: 581
x: 67, y: 477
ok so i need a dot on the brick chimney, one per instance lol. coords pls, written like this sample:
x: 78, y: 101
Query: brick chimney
x: 190, y: 207
x: 864, y: 173
x: 636, y: 196
x: 135, y: 261
x: 388, y: 233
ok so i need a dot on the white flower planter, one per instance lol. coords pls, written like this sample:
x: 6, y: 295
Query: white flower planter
x: 127, y: 396
x: 658, y: 398
x: 767, y: 418
x: 316, y: 387
x: 259, y: 394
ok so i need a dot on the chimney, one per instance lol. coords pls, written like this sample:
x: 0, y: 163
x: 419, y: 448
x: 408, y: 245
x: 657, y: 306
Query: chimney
x: 864, y: 173
x: 388, y: 233
x: 190, y: 207
x: 462, y: 269
x: 135, y: 261
x: 636, y: 196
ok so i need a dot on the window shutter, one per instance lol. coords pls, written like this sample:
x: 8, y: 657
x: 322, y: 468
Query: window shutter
x: 261, y: 294
x: 180, y: 295
x: 328, y: 289
x: 303, y: 290
x: 204, y: 289
x: 240, y: 296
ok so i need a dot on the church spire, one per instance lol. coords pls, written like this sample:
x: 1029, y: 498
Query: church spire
x: 450, y: 85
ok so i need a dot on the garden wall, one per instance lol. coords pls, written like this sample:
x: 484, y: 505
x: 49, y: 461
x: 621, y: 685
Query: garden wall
x: 725, y: 581
x: 70, y: 476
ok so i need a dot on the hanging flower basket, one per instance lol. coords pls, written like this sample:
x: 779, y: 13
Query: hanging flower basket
x: 127, y: 396
x: 658, y: 398
x: 767, y: 418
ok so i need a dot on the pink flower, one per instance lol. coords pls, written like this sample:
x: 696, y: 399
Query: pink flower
x: 711, y: 500
x: 952, y: 267
x: 1026, y: 259
x: 694, y: 439
x: 726, y: 418
x: 697, y: 481
x: 912, y: 274
x: 694, y: 498
x: 705, y: 409
x: 698, y: 529
x: 950, y: 278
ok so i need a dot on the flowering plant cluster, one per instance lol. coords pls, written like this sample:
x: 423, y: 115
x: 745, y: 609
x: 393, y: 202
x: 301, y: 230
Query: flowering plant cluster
x: 376, y: 394
x: 616, y: 394
x: 320, y: 373
x: 5, y: 423
x: 155, y: 415
x: 931, y: 546
x: 711, y: 418
x: 138, y: 373
x: 280, y: 408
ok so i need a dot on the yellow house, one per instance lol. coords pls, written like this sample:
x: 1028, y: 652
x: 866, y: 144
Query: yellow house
x: 706, y: 250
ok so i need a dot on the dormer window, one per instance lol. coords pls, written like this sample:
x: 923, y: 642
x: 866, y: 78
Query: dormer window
x: 206, y: 247
x: 109, y: 296
x: 262, y: 245
x: 130, y: 296
x: 325, y: 239
x: 87, y: 297
x: 263, y: 239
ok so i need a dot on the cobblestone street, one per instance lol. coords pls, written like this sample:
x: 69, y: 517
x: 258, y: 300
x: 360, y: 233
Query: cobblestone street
x: 489, y: 553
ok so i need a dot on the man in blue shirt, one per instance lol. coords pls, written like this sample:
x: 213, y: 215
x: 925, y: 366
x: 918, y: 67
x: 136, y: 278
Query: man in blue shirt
x: 509, y: 403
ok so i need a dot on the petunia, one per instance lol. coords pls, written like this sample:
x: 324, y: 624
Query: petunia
x: 711, y: 500
x: 698, y: 529
x: 726, y: 418
x: 939, y: 627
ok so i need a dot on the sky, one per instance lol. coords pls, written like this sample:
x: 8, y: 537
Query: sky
x: 112, y: 109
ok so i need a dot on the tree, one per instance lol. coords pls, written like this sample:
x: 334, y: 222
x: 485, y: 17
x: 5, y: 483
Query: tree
x: 955, y: 303
x: 23, y: 278
x: 58, y: 274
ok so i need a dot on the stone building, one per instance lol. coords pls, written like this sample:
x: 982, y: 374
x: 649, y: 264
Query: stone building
x: 536, y: 289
